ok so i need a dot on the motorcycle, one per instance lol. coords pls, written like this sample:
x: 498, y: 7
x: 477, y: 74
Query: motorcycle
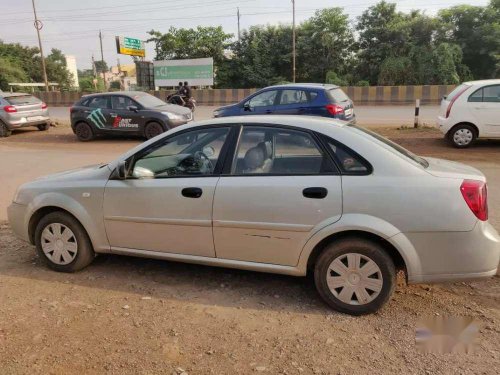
x: 182, y: 101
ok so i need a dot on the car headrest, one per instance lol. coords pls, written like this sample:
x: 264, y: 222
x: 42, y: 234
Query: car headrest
x: 267, y: 147
x: 255, y: 157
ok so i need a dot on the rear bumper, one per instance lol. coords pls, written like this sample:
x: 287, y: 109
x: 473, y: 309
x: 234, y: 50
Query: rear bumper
x: 452, y: 256
x: 24, y: 122
x: 444, y: 124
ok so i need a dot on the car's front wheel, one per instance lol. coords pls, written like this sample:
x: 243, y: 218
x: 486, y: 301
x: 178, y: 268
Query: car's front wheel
x: 153, y: 129
x: 462, y: 136
x: 62, y: 242
x: 355, y: 276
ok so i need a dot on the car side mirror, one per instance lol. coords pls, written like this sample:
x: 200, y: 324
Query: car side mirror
x: 133, y: 108
x: 122, y: 170
x: 246, y: 107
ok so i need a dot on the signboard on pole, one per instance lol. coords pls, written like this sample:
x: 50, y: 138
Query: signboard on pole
x: 197, y: 72
x: 130, y: 46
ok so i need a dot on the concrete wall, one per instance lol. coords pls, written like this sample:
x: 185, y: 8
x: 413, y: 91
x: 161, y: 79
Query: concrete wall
x: 373, y: 95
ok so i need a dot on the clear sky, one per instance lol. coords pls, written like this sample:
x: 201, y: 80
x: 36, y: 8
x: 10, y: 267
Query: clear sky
x: 73, y: 26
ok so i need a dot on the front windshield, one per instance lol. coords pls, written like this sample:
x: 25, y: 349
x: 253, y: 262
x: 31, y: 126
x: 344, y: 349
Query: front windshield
x: 410, y: 155
x: 149, y: 101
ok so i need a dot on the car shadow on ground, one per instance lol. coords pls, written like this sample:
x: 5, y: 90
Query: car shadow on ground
x: 210, y: 286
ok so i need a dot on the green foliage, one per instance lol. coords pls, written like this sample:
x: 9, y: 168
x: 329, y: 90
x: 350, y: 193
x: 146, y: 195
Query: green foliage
x: 362, y: 83
x: 9, y: 72
x: 55, y: 64
x: 114, y: 86
x: 101, y: 66
x: 333, y: 78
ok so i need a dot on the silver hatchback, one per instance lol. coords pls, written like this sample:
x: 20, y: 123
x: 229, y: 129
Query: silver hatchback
x: 18, y: 110
x: 283, y: 194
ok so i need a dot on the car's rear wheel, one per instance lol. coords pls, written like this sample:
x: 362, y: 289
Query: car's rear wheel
x: 462, y: 136
x: 84, y: 132
x: 63, y: 243
x: 355, y: 276
x: 4, y: 130
x: 43, y: 127
x: 153, y: 129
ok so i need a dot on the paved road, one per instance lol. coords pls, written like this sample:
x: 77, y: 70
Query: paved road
x: 366, y: 115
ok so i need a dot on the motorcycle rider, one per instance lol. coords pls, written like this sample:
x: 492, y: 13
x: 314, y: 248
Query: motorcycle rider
x: 186, y: 90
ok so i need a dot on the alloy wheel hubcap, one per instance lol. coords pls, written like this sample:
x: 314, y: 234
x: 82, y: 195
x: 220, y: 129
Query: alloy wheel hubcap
x: 354, y: 279
x: 462, y: 137
x: 59, y: 244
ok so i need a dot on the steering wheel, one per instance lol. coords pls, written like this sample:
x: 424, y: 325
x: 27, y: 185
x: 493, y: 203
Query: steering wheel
x: 199, y: 155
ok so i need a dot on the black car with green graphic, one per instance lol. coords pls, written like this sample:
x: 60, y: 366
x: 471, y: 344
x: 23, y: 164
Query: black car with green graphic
x: 125, y: 112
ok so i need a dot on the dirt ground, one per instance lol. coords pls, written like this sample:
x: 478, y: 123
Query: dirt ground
x: 135, y: 316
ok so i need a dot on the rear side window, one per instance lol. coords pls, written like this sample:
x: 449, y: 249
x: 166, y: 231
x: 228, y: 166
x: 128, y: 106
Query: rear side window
x: 121, y: 102
x: 477, y: 96
x: 349, y: 162
x: 99, y: 102
x: 491, y: 94
x: 337, y: 95
x: 457, y: 91
x: 297, y: 96
x: 22, y: 100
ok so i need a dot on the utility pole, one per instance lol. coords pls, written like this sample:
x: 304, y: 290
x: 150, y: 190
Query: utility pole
x: 293, y: 42
x: 102, y: 61
x: 238, y: 15
x: 38, y: 27
x: 95, y: 73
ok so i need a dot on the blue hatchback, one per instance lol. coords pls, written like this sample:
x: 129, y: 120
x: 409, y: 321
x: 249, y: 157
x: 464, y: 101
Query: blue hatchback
x: 311, y: 99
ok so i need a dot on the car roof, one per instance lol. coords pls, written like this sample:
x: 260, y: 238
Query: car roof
x: 305, y: 122
x: 325, y: 86
x: 130, y: 94
x: 484, y: 82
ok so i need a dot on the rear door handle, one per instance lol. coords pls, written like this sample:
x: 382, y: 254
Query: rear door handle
x: 315, y: 192
x: 113, y: 114
x: 269, y: 111
x: 192, y: 192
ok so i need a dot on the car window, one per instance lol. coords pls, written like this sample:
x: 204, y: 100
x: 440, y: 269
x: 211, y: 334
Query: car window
x: 348, y: 160
x: 263, y: 150
x: 491, y: 94
x: 22, y: 100
x: 193, y: 153
x: 295, y: 97
x: 477, y: 96
x: 121, y: 102
x: 337, y: 95
x: 263, y: 99
x: 149, y: 101
x: 99, y: 102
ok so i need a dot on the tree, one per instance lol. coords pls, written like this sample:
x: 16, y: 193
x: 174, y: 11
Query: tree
x: 476, y: 30
x: 56, y: 69
x: 101, y: 66
x: 325, y: 44
x: 10, y: 73
x: 191, y: 43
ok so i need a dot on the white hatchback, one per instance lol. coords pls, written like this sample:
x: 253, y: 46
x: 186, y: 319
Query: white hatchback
x: 471, y: 111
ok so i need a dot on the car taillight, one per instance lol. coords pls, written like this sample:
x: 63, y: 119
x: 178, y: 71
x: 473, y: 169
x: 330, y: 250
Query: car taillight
x: 334, y: 109
x: 44, y: 106
x: 475, y: 194
x: 448, y: 110
x: 10, y: 109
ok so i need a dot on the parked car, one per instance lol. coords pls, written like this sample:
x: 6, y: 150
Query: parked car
x: 126, y: 112
x: 471, y: 111
x: 19, y: 110
x: 294, y: 99
x: 282, y: 194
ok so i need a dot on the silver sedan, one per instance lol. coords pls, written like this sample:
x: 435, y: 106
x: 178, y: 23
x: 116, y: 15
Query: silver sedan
x: 280, y: 194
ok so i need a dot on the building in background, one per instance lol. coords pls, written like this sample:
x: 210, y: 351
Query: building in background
x: 71, y: 67
x: 121, y: 77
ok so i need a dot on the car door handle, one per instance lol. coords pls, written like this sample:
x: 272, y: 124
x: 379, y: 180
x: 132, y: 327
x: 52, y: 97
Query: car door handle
x: 192, y: 192
x: 269, y: 111
x: 113, y: 114
x: 315, y: 192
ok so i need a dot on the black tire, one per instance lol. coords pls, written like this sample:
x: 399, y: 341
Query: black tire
x: 462, y: 136
x: 4, y: 130
x: 84, y: 132
x: 386, y: 273
x: 84, y: 253
x: 153, y: 129
x: 43, y: 127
